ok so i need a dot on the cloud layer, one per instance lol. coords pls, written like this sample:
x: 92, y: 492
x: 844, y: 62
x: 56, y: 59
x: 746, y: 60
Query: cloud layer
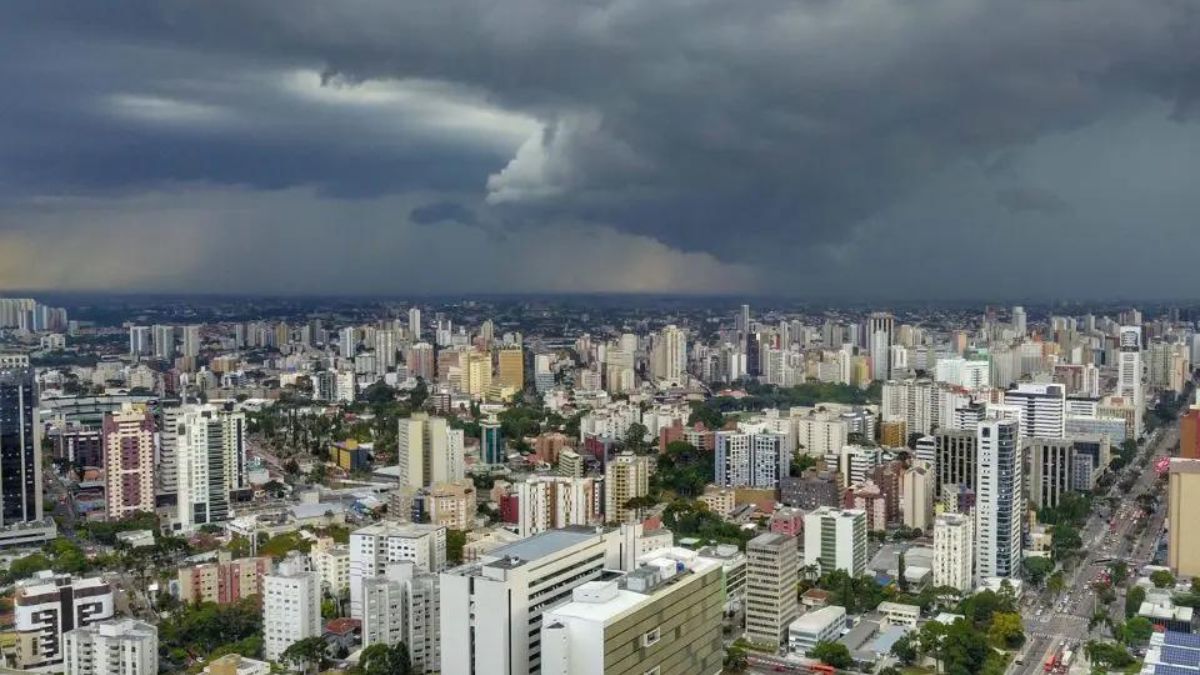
x: 785, y: 147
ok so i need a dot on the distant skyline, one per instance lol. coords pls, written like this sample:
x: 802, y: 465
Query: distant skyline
x: 862, y: 150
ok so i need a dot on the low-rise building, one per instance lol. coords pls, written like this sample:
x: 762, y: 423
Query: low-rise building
x: 224, y: 581
x: 115, y: 647
x: 899, y: 614
x: 819, y: 625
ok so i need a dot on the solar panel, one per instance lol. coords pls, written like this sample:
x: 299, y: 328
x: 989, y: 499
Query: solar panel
x: 1181, y: 656
x: 1162, y: 669
x: 1178, y: 639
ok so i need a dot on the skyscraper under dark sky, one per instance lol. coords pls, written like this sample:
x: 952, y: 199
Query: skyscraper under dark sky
x: 20, y: 468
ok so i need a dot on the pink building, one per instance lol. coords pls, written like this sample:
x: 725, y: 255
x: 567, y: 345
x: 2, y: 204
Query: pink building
x: 789, y: 521
x: 868, y: 497
x: 128, y: 441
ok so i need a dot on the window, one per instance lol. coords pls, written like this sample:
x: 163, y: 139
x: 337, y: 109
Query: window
x: 649, y: 639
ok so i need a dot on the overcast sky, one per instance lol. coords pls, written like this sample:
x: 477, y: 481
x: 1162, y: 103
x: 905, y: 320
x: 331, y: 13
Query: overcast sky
x: 859, y: 148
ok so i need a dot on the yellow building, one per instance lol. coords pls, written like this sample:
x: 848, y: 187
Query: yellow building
x: 893, y: 433
x: 476, y: 373
x: 1183, y: 502
x: 452, y: 505
x: 510, y: 367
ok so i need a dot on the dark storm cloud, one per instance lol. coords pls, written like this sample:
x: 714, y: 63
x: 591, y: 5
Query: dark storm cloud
x: 442, y: 212
x: 1031, y: 200
x: 772, y: 131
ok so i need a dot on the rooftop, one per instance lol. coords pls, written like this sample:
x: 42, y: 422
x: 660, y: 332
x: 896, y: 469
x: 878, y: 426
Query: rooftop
x: 818, y: 618
x: 545, y: 544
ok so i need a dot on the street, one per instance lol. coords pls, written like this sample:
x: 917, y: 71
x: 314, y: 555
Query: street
x: 1054, y: 622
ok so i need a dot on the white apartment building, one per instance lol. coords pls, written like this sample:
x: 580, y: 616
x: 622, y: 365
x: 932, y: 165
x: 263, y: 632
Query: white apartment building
x: 374, y: 546
x: 820, y: 435
x: 551, y: 502
x: 1041, y: 409
x: 48, y: 605
x: 291, y: 605
x: 1129, y: 372
x: 210, y: 462
x: 953, y: 551
x: 403, y: 606
x: 492, y: 610
x: 114, y: 647
x: 999, y: 500
x: 331, y: 562
x: 750, y: 460
x: 836, y: 539
x: 916, y: 496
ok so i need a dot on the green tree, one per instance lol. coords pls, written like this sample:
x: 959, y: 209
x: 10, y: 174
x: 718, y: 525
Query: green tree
x: 307, y: 653
x: 383, y: 659
x: 455, y: 541
x: 1133, y: 600
x: 1057, y: 582
x: 1037, y: 568
x: 1118, y: 572
x: 833, y: 654
x: 1162, y: 578
x: 905, y: 651
x: 735, y: 659
x: 1006, y: 630
x: 1137, y: 630
x: 635, y: 438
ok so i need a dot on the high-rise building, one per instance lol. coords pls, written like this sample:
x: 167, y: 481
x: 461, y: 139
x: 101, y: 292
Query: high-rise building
x: 373, y: 547
x: 385, y: 350
x: 210, y: 459
x: 668, y: 354
x: 429, y: 451
x: 1189, y: 433
x: 419, y: 361
x: 957, y: 455
x: 751, y: 460
x: 511, y: 587
x: 291, y: 605
x: 48, y: 605
x: 1129, y: 372
x: 491, y: 443
x: 1050, y: 470
x: 348, y: 342
x: 414, y: 323
x: 1183, y: 531
x: 129, y: 444
x: 662, y: 617
x: 452, y: 505
x: 191, y: 341
x: 836, y: 539
x: 114, y: 647
x: 627, y: 476
x: 1042, y: 409
x: 772, y: 571
x: 553, y: 502
x: 476, y: 373
x: 20, y: 450
x: 402, y: 606
x: 953, y: 551
x: 139, y: 341
x: 999, y: 500
x: 881, y: 328
x: 916, y: 496
x: 510, y: 367
x: 164, y: 342
x: 331, y: 562
x: 1019, y: 320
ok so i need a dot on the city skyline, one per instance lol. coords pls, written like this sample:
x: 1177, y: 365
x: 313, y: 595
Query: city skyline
x: 621, y: 147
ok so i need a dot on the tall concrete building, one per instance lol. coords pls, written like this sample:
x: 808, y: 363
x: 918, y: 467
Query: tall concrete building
x: 751, y: 460
x: 1189, y: 433
x: 1050, y: 470
x: 114, y: 647
x: 419, y: 361
x: 953, y: 551
x: 510, y: 367
x: 374, y: 547
x: 916, y: 496
x: 772, y: 572
x: 476, y: 373
x: 554, y: 502
x: 139, y: 341
x: 1183, y: 528
x: 881, y: 327
x: 957, y: 455
x: 1042, y: 409
x: 492, y: 610
x: 210, y: 457
x: 1019, y: 321
x: 20, y: 450
x: 836, y: 539
x: 291, y: 605
x: 414, y: 323
x: 164, y: 342
x: 1129, y: 372
x: 668, y: 354
x: 191, y: 341
x: 348, y: 342
x: 386, y: 345
x: 626, y: 476
x: 129, y: 444
x: 662, y: 617
x: 1000, y: 503
x: 403, y: 606
x: 429, y: 451
x: 49, y: 604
